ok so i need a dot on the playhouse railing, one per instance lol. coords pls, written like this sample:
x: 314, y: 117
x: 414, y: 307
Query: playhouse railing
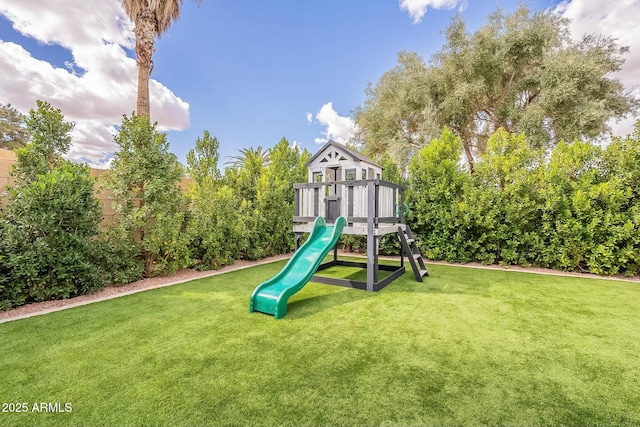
x: 358, y: 201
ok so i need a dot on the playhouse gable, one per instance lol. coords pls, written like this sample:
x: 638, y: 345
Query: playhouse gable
x: 336, y: 162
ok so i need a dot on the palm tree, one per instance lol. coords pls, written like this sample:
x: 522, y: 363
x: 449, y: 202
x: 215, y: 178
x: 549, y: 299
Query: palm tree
x: 250, y: 157
x: 151, y: 18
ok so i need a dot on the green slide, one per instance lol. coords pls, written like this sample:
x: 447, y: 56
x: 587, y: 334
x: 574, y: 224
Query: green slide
x: 271, y: 296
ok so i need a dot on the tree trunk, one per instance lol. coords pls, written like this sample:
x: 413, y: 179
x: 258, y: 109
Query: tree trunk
x: 466, y: 144
x: 145, y: 30
x: 469, y: 155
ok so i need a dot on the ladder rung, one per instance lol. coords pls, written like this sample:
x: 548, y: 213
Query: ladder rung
x: 417, y: 256
x: 411, y: 240
x: 423, y: 273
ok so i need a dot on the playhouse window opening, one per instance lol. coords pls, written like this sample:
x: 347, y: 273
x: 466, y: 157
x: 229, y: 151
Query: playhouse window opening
x: 371, y: 173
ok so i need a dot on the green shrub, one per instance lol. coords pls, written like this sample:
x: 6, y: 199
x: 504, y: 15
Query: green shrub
x: 621, y: 159
x: 215, y: 226
x: 575, y: 208
x: 118, y: 257
x: 436, y: 209
x: 144, y: 179
x: 353, y: 243
x: 264, y: 188
x: 275, y: 197
x: 51, y: 223
x: 215, y: 229
x: 501, y: 204
x: 11, y: 291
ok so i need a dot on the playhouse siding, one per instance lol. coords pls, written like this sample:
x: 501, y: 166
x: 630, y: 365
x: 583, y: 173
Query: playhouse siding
x: 309, y: 208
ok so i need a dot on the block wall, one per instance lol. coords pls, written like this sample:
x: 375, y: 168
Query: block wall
x: 8, y: 159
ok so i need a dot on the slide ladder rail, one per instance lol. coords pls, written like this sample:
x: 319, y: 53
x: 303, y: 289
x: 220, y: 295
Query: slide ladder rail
x: 409, y: 246
x: 271, y: 297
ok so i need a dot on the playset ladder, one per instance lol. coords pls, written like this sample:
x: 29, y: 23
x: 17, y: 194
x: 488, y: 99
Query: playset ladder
x: 409, y: 246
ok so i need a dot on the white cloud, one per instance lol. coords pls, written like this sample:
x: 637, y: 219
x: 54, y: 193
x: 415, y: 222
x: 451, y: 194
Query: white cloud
x: 94, y: 90
x: 339, y: 129
x: 309, y: 117
x: 104, y: 163
x: 619, y: 20
x: 417, y: 8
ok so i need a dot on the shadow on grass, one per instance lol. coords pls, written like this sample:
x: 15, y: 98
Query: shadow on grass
x: 449, y: 281
x: 329, y: 296
x: 302, y: 308
x: 350, y: 273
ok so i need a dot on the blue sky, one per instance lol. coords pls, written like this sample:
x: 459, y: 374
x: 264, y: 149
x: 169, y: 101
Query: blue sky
x: 250, y: 72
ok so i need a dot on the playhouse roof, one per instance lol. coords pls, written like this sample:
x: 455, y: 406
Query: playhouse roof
x: 355, y: 156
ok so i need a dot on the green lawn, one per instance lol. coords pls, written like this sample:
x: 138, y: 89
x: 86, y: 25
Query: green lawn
x: 466, y: 347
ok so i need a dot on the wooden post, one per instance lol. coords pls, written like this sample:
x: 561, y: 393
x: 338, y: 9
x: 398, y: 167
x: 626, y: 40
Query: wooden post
x: 395, y: 200
x: 350, y: 205
x: 401, y: 218
x: 376, y: 203
x: 401, y: 206
x: 372, y: 256
x: 375, y: 259
x: 316, y: 201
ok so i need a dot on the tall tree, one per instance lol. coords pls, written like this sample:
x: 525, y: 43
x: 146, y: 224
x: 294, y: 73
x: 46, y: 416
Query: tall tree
x: 50, y: 140
x: 520, y: 71
x: 144, y: 180
x: 13, y: 132
x: 398, y: 117
x: 151, y: 18
x: 202, y: 161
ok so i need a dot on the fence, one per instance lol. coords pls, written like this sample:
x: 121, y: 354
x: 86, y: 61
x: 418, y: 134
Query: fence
x: 8, y: 159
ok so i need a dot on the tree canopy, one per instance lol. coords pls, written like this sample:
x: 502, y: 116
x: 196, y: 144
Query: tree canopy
x: 520, y: 72
x: 50, y: 140
x: 13, y: 133
x: 202, y: 161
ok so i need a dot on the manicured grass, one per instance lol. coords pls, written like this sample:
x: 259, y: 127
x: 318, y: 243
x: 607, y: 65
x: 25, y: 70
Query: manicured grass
x: 466, y: 347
